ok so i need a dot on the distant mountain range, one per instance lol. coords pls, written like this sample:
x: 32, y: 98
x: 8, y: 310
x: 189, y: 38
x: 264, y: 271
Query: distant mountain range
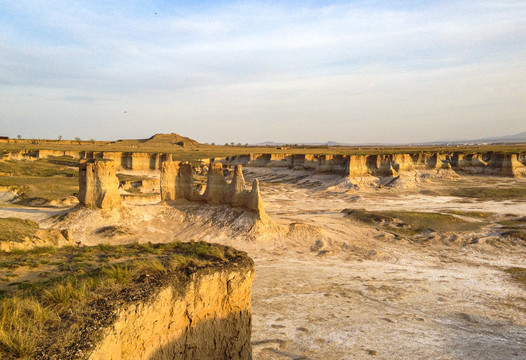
x: 508, y: 139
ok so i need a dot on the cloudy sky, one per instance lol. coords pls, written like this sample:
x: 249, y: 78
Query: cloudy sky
x: 247, y: 71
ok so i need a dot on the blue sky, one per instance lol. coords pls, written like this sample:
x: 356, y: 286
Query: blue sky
x: 300, y: 71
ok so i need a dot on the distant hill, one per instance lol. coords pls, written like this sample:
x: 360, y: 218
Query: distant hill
x: 161, y: 139
x: 521, y: 137
x: 507, y: 139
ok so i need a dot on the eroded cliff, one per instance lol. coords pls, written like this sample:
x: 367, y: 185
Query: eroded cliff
x: 98, y: 184
x: 389, y: 165
x: 177, y: 182
x: 152, y: 302
x: 209, y: 318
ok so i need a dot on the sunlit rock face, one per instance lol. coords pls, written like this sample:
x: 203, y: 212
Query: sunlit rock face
x: 98, y: 184
x: 177, y: 183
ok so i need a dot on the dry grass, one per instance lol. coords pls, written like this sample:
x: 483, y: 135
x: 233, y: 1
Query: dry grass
x: 411, y: 222
x: 473, y: 214
x: 15, y: 230
x: 491, y: 193
x: 79, y: 275
x: 206, y: 151
x: 39, y: 181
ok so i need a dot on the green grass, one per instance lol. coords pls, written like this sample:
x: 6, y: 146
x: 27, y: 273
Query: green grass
x: 15, y: 230
x: 473, y: 214
x: 491, y: 193
x: 520, y: 222
x: 39, y: 181
x: 31, y: 310
x: 37, y: 168
x: 411, y: 222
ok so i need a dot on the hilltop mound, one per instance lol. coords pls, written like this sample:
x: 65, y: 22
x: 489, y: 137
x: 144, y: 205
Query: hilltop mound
x: 173, y: 138
x: 161, y: 139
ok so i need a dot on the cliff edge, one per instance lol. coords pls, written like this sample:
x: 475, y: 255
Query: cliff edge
x: 157, y: 301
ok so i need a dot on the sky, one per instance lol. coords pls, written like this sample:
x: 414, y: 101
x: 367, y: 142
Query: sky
x: 249, y: 71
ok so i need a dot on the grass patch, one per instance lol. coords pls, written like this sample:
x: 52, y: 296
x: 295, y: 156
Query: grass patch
x: 22, y: 320
x: 16, y: 230
x: 37, y: 168
x: 493, y: 193
x: 410, y: 222
x: 473, y: 214
x: 39, y: 181
x: 48, y: 313
x: 520, y: 222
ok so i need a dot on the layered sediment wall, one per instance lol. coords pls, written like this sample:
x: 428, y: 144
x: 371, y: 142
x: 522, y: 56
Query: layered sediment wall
x: 497, y: 164
x: 210, y: 318
x: 98, y: 184
x: 177, y: 182
x: 490, y: 163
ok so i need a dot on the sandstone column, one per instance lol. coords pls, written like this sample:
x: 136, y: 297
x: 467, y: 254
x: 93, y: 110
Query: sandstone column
x: 237, y: 188
x: 98, y: 184
x: 216, y: 187
x: 169, y: 176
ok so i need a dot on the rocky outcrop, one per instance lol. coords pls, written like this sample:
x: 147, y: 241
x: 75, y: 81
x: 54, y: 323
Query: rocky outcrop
x: 177, y: 182
x: 254, y: 201
x: 506, y: 165
x: 98, y: 184
x: 169, y: 174
x: 185, y: 185
x: 216, y: 191
x: 358, y: 166
x: 237, y: 190
x: 210, y: 318
x: 384, y: 165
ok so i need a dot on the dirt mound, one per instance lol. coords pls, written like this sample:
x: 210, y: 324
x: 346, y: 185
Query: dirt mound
x: 171, y: 139
x: 157, y: 140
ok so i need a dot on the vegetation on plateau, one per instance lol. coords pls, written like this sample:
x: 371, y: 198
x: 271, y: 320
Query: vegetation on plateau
x: 48, y: 295
x: 40, y: 181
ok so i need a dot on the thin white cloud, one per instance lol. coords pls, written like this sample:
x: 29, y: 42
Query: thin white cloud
x: 344, y: 66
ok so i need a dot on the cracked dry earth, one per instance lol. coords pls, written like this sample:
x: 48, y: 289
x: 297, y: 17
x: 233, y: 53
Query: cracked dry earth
x: 352, y: 291
x: 372, y: 297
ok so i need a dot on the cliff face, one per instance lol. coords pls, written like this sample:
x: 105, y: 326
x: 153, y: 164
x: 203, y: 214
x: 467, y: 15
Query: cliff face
x: 496, y: 164
x: 209, y: 319
x: 177, y: 182
x: 389, y: 165
x: 98, y: 184
x: 169, y: 173
x: 506, y: 165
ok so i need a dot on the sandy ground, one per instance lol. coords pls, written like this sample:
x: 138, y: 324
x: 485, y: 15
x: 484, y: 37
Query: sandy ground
x: 336, y: 289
